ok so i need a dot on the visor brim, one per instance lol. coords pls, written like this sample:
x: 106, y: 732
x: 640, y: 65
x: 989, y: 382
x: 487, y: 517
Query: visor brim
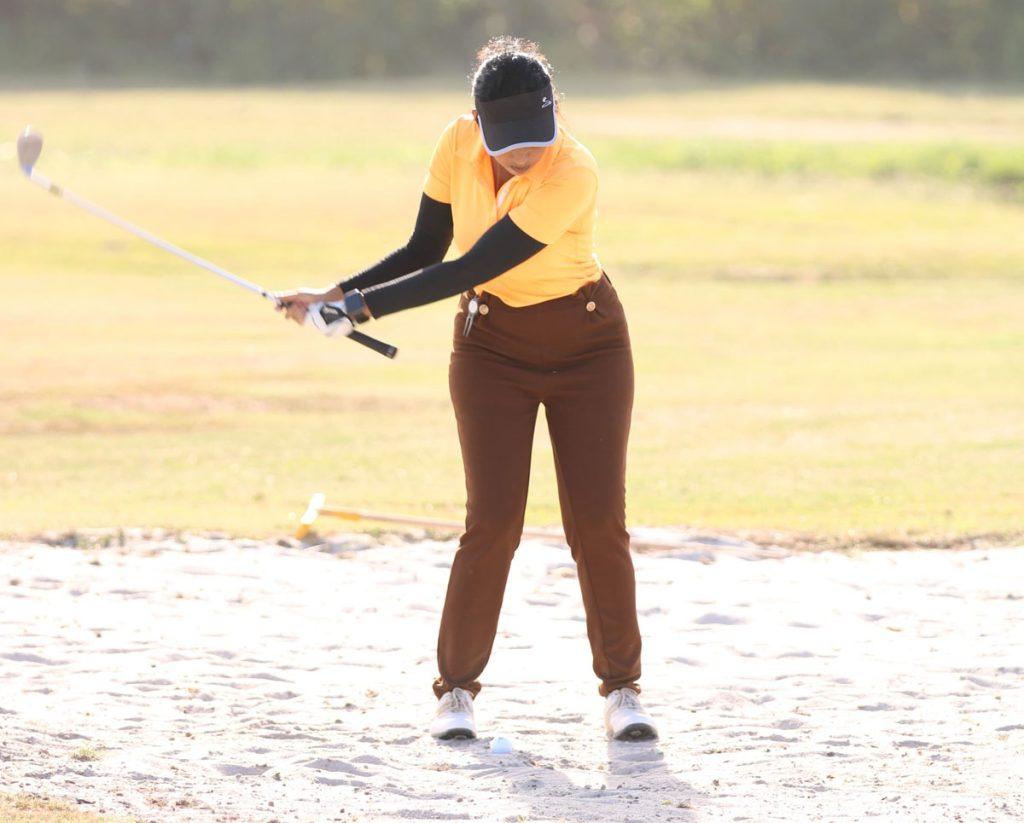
x: 499, y: 138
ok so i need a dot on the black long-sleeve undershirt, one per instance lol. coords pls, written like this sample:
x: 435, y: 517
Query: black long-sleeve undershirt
x: 414, y: 275
x: 502, y: 247
x: 431, y: 237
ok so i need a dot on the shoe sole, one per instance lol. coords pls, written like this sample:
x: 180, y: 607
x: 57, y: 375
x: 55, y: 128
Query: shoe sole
x: 637, y: 731
x: 457, y: 734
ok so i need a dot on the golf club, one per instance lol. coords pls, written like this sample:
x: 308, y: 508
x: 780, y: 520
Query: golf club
x: 30, y: 145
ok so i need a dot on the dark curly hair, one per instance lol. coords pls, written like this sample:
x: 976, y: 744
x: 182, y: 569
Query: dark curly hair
x: 510, y: 65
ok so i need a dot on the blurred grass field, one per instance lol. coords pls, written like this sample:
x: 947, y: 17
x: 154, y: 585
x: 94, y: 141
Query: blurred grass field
x: 23, y: 808
x: 824, y: 285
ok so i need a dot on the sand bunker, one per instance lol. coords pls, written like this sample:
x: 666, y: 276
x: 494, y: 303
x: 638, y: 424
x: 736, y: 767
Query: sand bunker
x: 211, y: 679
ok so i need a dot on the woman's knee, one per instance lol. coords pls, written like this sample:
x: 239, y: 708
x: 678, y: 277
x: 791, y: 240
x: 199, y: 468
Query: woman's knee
x: 494, y: 527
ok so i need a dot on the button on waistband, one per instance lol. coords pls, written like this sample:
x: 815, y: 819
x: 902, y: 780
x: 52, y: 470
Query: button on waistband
x: 484, y: 308
x: 591, y: 305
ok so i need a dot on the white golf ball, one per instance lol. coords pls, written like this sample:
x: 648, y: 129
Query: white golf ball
x: 501, y: 745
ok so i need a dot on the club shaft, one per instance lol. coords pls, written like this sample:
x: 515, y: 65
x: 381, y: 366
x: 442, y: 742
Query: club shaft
x: 142, y: 234
x: 44, y: 182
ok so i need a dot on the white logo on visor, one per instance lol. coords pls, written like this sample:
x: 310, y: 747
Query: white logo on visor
x: 545, y: 102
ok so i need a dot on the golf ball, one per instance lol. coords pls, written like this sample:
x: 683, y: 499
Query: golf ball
x: 501, y: 745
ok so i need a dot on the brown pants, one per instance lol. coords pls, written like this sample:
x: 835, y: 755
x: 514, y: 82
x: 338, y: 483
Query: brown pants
x: 573, y: 355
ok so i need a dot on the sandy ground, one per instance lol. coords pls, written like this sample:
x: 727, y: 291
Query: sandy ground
x: 209, y: 679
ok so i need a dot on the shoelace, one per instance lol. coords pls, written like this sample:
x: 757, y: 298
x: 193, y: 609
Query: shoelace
x: 456, y: 703
x: 463, y: 701
x: 628, y: 698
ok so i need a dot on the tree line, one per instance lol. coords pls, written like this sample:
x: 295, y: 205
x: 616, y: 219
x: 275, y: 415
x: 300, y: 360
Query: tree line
x: 267, y: 41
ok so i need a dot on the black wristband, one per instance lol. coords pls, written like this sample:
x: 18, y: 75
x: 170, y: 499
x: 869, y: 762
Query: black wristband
x: 356, y: 308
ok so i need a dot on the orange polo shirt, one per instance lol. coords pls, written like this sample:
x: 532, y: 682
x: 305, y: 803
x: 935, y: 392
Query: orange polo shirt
x: 555, y: 202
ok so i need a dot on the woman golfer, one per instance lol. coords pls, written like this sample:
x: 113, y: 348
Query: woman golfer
x: 538, y: 323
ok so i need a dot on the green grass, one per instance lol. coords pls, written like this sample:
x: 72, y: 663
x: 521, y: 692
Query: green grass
x: 87, y: 754
x: 999, y: 167
x: 23, y: 808
x: 824, y: 286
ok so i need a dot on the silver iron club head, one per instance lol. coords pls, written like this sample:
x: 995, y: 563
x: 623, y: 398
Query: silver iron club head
x: 30, y: 144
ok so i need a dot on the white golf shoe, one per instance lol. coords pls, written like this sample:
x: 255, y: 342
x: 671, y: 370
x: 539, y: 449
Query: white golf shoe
x: 625, y: 718
x: 454, y: 719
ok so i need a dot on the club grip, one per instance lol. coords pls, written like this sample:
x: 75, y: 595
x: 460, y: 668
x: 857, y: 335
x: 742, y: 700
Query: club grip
x: 373, y: 343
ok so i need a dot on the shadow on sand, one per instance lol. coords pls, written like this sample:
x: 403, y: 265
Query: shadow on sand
x: 635, y: 786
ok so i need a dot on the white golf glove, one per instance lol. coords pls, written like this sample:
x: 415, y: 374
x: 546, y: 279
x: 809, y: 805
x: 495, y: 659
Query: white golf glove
x: 329, y: 319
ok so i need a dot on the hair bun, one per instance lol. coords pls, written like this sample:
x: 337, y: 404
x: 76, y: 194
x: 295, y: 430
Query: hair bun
x: 508, y: 65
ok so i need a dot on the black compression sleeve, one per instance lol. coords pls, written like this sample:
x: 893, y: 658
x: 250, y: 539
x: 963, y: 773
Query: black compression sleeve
x: 431, y: 237
x: 500, y: 248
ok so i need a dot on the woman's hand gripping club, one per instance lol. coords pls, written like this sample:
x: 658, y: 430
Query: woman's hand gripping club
x: 326, y: 313
x: 308, y: 307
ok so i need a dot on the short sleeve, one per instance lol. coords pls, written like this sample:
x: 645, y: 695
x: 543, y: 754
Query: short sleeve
x: 550, y: 210
x: 437, y: 184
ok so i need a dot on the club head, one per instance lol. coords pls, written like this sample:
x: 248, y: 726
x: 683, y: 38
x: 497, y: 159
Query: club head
x: 316, y: 502
x: 30, y: 144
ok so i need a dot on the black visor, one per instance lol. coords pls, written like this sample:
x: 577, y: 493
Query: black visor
x: 518, y: 121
